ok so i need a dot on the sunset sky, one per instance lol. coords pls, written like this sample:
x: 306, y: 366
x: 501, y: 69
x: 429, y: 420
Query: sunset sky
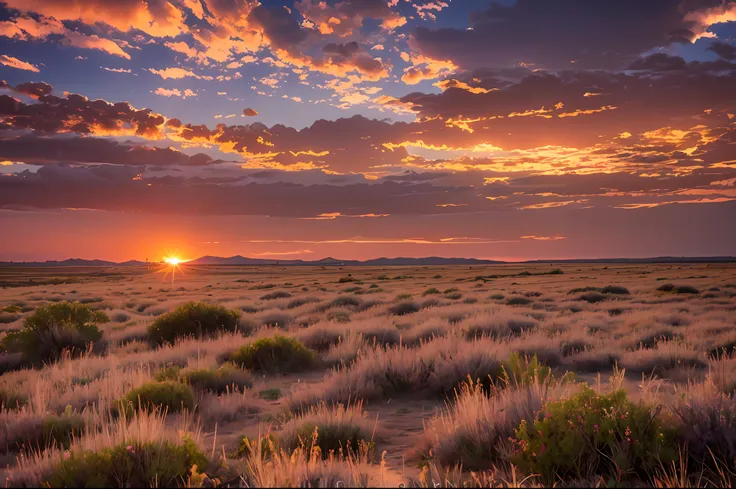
x: 356, y: 129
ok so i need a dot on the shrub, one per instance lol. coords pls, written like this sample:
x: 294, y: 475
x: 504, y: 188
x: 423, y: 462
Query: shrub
x: 277, y: 319
x: 320, y: 338
x: 198, y: 319
x: 472, y: 431
x: 275, y: 355
x: 591, y: 433
x: 128, y: 465
x: 615, y: 289
x: 518, y: 301
x: 344, y: 280
x: 592, y: 297
x: 678, y: 289
x: 330, y: 429
x: 708, y: 426
x: 270, y: 394
x: 686, y: 289
x: 171, y: 396
x: 218, y: 381
x: 345, y: 300
x: 430, y: 291
x: 403, y: 308
x: 39, y: 433
x: 277, y: 294
x: 170, y: 372
x: 54, y: 328
x: 300, y: 301
x: 578, y: 290
x: 454, y: 296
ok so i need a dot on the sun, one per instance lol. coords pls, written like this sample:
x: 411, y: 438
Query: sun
x: 173, y: 264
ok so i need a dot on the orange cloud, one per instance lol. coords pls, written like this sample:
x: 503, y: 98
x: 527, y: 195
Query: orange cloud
x: 165, y: 92
x: 453, y: 83
x: 177, y: 74
x: 157, y: 19
x: 329, y: 216
x: 17, y: 64
x: 544, y: 238
x: 78, y: 40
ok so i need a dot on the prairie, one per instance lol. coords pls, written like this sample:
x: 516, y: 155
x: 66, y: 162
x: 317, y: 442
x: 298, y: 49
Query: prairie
x: 504, y: 375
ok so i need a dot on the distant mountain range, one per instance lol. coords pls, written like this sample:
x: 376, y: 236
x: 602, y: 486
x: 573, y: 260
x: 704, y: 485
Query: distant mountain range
x: 431, y: 260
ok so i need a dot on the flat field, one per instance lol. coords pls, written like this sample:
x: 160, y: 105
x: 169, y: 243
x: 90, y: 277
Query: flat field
x: 374, y: 376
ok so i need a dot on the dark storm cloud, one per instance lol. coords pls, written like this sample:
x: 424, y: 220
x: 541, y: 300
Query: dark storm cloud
x: 725, y: 51
x: 43, y: 150
x: 75, y: 113
x: 279, y: 26
x: 115, y: 188
x: 600, y: 34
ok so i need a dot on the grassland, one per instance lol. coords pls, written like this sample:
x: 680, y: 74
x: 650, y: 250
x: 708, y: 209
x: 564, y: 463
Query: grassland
x: 523, y: 375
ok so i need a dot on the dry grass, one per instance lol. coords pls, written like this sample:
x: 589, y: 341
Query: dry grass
x: 404, y: 353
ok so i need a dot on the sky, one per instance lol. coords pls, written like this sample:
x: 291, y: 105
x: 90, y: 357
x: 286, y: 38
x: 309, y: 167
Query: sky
x: 302, y: 129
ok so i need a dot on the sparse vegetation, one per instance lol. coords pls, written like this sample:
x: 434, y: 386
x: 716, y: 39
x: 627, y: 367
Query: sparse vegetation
x: 331, y: 377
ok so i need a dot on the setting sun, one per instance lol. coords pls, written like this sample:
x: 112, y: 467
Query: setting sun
x: 172, y: 260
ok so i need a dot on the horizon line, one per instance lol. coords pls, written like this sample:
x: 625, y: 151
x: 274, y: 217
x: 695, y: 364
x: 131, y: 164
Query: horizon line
x: 286, y: 261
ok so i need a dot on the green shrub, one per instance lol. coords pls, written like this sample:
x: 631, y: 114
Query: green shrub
x: 171, y: 372
x: 590, y: 434
x: 53, y: 328
x: 345, y: 280
x: 454, y: 296
x: 337, y: 438
x: 274, y: 355
x: 171, y: 396
x: 51, y: 431
x: 522, y: 371
x: 431, y: 290
x: 198, y: 319
x: 136, y: 465
x: 334, y: 428
x: 273, y: 394
x: 221, y: 380
x: 61, y: 430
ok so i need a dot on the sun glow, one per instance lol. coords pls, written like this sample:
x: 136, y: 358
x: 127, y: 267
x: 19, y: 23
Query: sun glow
x: 173, y: 264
